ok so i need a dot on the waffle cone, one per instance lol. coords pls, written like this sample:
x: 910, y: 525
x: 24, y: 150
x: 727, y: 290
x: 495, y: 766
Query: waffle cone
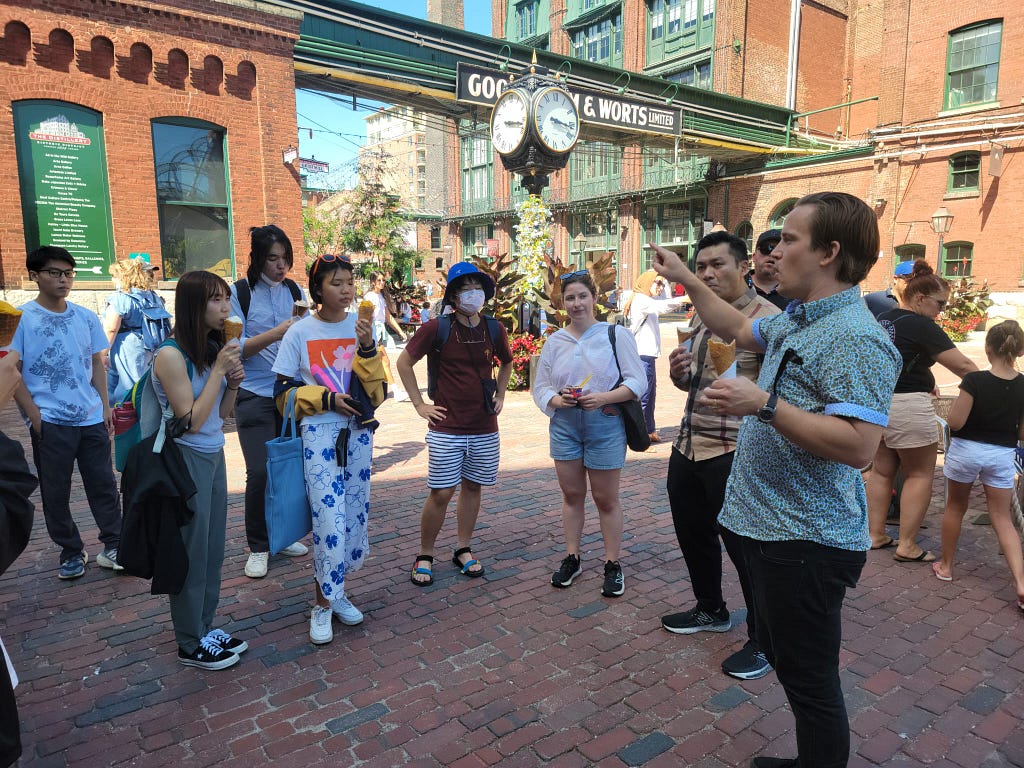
x: 722, y: 355
x: 366, y: 309
x: 9, y: 319
x: 232, y: 328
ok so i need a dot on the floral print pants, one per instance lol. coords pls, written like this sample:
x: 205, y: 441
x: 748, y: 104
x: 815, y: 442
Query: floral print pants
x: 339, y: 499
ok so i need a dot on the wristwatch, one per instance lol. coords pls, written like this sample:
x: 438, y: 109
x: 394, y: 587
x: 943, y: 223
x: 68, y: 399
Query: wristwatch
x: 766, y: 413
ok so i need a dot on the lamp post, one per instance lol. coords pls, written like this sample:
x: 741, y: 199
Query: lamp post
x: 581, y: 243
x: 942, y: 219
x: 479, y: 247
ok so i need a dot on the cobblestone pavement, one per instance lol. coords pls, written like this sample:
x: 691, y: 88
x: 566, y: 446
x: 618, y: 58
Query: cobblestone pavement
x: 502, y: 670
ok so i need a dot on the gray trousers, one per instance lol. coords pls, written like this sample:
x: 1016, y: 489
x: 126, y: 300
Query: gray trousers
x: 193, y: 609
x: 257, y: 421
x: 55, y: 452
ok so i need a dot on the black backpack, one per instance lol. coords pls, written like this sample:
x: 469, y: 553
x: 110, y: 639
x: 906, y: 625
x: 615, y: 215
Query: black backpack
x: 444, y: 330
x: 244, y: 292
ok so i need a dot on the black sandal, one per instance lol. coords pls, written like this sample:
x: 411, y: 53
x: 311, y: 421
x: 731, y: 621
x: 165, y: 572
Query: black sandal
x: 422, y: 571
x: 464, y: 567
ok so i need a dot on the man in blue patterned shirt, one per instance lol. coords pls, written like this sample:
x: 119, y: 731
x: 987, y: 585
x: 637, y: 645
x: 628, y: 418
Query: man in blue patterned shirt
x: 814, y: 417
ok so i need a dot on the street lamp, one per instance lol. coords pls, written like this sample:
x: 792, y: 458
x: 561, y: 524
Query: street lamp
x: 581, y: 243
x: 942, y: 219
x: 479, y: 248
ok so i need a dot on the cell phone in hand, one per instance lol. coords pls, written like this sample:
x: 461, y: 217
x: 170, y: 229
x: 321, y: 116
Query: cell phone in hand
x: 354, y: 405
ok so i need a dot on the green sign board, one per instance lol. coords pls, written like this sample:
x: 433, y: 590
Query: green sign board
x: 62, y: 171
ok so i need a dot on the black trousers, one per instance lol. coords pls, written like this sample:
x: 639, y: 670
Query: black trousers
x: 799, y: 587
x: 55, y: 452
x: 258, y: 421
x: 696, y: 490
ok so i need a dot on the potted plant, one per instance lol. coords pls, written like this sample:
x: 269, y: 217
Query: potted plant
x: 966, y: 307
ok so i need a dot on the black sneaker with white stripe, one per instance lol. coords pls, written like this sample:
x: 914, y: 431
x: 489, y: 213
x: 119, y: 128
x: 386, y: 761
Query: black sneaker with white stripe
x: 226, y: 641
x: 614, y: 584
x: 208, y: 655
x: 567, y: 571
x: 748, y: 663
x: 696, y: 620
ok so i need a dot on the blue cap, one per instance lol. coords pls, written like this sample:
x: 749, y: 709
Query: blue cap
x: 466, y: 269
x: 904, y: 269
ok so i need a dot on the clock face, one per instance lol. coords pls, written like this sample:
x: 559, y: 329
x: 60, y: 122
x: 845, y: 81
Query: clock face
x: 508, y: 122
x: 556, y: 118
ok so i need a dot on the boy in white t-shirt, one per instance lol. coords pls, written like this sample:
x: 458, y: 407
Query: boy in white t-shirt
x: 63, y: 395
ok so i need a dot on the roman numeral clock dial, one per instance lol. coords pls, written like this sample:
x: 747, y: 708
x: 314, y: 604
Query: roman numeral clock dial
x: 556, y: 119
x: 508, y: 122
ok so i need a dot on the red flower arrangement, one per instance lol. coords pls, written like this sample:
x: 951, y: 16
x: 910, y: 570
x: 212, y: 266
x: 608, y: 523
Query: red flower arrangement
x: 523, y: 347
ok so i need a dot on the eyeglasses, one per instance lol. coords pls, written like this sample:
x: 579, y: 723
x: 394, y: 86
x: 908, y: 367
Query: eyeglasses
x: 57, y: 274
x: 328, y: 258
x: 570, y: 275
x: 766, y: 248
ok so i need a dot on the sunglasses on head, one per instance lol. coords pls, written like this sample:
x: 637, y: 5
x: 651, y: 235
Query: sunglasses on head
x: 328, y: 258
x: 569, y: 275
x: 766, y: 248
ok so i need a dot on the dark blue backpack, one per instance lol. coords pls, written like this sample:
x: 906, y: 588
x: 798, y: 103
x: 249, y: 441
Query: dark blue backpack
x: 444, y: 330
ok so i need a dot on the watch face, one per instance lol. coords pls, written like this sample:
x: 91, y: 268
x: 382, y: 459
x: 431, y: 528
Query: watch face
x: 508, y: 122
x: 556, y: 118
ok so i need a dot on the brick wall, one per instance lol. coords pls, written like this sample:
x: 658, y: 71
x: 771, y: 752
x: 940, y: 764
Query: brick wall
x: 226, y: 64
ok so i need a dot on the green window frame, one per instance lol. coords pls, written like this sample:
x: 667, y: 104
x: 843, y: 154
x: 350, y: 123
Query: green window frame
x: 526, y: 18
x: 697, y: 75
x: 477, y: 160
x: 957, y: 259
x: 601, y: 230
x: 600, y: 42
x: 679, y: 27
x: 745, y: 232
x: 473, y: 234
x: 972, y: 64
x: 909, y: 252
x: 595, y: 169
x: 193, y: 196
x: 779, y: 214
x: 964, y: 172
x: 677, y: 225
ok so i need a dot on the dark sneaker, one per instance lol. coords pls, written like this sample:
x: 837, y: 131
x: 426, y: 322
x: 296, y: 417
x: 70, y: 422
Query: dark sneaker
x: 748, y: 663
x: 614, y: 584
x: 208, y: 655
x: 696, y: 620
x: 773, y: 762
x: 569, y: 570
x: 226, y: 641
x: 73, y: 567
x: 108, y: 559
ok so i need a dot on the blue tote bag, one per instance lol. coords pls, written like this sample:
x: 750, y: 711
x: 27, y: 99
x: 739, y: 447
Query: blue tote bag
x: 288, y: 515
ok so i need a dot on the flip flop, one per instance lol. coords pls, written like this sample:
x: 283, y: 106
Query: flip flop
x: 924, y: 557
x: 939, y: 576
x: 891, y: 542
x: 464, y: 567
x: 422, y: 571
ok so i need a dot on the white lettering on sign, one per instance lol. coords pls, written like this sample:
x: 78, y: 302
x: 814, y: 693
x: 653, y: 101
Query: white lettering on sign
x: 485, y: 87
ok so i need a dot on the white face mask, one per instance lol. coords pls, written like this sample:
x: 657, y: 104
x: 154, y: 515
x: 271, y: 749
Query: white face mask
x: 471, y: 301
x: 270, y: 282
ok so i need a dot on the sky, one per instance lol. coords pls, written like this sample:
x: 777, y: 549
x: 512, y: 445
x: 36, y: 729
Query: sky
x: 338, y: 143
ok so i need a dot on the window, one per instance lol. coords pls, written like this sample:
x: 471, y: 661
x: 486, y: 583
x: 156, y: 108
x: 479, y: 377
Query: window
x: 778, y: 217
x: 594, y: 169
x: 656, y: 17
x: 435, y: 238
x: 972, y: 64
x: 964, y: 171
x: 745, y: 232
x: 909, y: 252
x: 474, y: 235
x: 956, y: 259
x: 600, y: 232
x: 677, y: 226
x: 698, y: 75
x: 526, y: 19
x: 192, y: 197
x: 477, y: 171
x: 679, y: 27
x: 600, y: 42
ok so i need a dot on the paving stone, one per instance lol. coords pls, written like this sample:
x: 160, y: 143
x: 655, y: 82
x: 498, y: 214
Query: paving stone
x: 353, y: 719
x: 643, y: 750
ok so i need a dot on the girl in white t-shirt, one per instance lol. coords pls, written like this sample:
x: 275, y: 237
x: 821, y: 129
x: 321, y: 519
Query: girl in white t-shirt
x: 333, y: 363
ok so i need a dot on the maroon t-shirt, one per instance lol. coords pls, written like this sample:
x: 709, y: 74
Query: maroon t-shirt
x: 465, y: 360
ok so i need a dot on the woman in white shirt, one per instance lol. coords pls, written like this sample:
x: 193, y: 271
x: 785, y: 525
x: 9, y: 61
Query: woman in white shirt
x: 578, y: 386
x: 642, y: 310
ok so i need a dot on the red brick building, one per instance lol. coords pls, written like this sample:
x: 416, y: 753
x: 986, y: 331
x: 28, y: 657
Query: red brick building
x: 145, y: 127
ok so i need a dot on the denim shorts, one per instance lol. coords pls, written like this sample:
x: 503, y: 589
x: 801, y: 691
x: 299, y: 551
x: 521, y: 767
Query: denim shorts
x: 967, y: 460
x: 596, y: 436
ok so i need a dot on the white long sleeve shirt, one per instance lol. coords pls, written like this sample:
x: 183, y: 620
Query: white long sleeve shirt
x: 643, y: 322
x: 566, y: 361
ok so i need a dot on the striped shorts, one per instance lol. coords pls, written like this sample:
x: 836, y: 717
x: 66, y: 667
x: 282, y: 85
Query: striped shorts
x: 454, y: 457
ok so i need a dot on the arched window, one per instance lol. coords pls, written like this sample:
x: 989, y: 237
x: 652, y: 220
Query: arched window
x: 779, y: 214
x: 101, y: 57
x: 964, y: 172
x: 16, y: 44
x: 909, y: 252
x: 745, y: 232
x: 59, y: 53
x: 957, y: 258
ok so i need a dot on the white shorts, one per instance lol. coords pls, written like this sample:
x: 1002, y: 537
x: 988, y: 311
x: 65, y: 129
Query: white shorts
x: 966, y: 460
x: 454, y: 457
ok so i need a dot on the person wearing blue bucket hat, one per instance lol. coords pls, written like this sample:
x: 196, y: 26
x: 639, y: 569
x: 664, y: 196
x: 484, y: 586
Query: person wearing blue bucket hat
x: 880, y: 302
x: 462, y: 421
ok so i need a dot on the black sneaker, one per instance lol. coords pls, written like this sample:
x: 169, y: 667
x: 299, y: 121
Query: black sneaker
x: 614, y: 584
x: 696, y: 620
x: 226, y: 641
x: 208, y: 655
x: 748, y: 663
x: 569, y: 570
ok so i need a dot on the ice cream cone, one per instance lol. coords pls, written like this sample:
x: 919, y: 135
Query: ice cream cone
x: 683, y: 333
x: 300, y: 308
x: 366, y: 310
x: 722, y: 355
x: 233, y: 328
x: 9, y: 319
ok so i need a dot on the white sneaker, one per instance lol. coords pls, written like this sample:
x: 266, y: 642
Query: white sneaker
x: 298, y: 549
x: 256, y: 565
x: 401, y: 395
x: 347, y: 613
x: 320, y: 630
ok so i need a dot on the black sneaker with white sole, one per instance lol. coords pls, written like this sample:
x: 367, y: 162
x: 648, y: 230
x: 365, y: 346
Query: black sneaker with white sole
x: 614, y: 584
x: 696, y: 620
x: 567, y: 571
x: 208, y: 655
x: 226, y: 641
x: 748, y: 663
